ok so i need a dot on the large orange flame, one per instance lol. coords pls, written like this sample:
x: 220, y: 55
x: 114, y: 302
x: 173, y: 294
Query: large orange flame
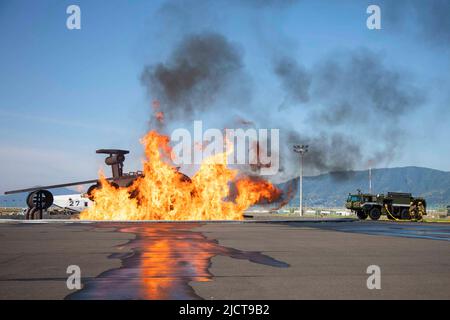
x: 162, y: 193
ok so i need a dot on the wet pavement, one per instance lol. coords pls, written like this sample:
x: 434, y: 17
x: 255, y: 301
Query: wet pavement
x: 165, y: 258
x: 329, y: 260
x: 431, y: 231
x: 224, y: 260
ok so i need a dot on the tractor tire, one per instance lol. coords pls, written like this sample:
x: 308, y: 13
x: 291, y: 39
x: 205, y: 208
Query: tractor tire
x: 404, y: 214
x: 375, y: 213
x: 362, y: 215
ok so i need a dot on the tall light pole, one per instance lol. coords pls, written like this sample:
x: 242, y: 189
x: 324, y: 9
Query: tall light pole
x: 370, y: 176
x: 302, y: 149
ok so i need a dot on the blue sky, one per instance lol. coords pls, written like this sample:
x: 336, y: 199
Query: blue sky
x: 65, y: 93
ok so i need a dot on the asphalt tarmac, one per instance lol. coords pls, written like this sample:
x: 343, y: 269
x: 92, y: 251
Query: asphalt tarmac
x: 258, y: 260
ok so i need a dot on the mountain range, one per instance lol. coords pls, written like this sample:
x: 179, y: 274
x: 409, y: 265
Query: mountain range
x: 332, y: 189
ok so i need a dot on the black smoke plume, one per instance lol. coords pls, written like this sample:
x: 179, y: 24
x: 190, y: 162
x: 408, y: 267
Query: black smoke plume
x: 294, y: 79
x: 200, y: 69
x: 354, y: 89
x: 359, y: 86
x: 328, y: 152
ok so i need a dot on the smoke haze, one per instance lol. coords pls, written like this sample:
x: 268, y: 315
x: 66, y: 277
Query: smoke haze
x: 353, y: 88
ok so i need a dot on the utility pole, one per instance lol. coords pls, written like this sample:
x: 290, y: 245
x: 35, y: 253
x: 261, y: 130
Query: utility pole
x: 370, y: 180
x: 301, y: 149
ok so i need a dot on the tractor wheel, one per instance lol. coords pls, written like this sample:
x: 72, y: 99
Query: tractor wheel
x: 404, y: 214
x: 362, y: 215
x: 374, y: 214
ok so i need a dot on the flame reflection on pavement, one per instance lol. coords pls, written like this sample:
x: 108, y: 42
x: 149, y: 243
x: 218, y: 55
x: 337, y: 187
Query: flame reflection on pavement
x: 166, y: 258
